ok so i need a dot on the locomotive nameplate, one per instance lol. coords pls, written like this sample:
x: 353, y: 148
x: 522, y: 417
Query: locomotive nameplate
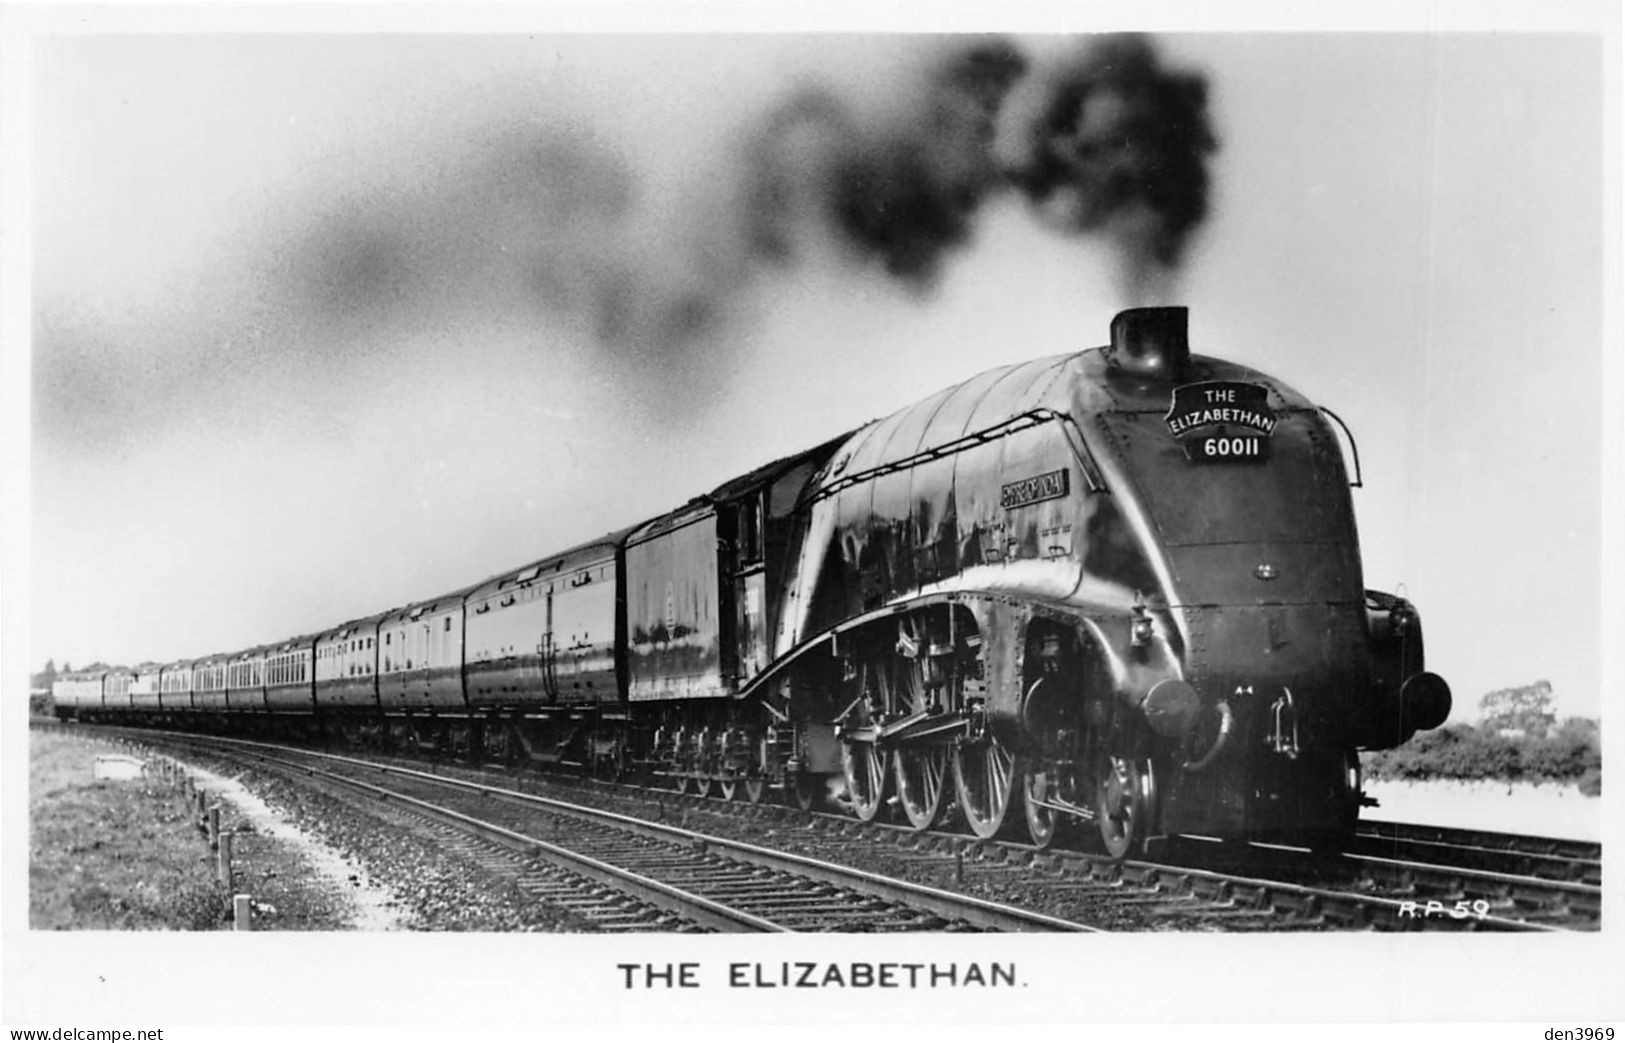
x: 1222, y: 420
x: 1051, y: 485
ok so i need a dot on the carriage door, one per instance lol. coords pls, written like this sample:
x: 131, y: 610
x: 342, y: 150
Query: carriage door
x: 550, y: 654
x: 750, y: 588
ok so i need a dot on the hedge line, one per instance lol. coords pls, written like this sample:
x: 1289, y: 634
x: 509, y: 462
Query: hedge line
x: 1571, y: 753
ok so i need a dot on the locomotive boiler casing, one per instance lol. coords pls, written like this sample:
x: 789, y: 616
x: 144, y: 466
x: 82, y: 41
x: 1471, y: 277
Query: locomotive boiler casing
x: 1215, y: 604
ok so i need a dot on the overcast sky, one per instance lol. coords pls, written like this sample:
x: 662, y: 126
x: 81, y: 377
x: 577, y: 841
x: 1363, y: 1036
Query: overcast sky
x: 326, y: 324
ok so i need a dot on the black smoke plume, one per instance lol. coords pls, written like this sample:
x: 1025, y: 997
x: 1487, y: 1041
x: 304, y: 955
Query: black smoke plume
x: 1106, y: 142
x: 901, y: 193
x: 1122, y: 140
x: 1114, y: 145
x: 545, y: 221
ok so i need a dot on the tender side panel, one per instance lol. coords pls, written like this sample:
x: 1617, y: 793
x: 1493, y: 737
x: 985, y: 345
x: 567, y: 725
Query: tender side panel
x: 673, y: 612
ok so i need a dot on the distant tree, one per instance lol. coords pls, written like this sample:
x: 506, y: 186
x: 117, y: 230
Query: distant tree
x: 1581, y: 731
x: 1526, y: 710
x: 1568, y: 754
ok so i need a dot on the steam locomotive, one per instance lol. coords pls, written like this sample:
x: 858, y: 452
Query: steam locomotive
x: 1121, y: 586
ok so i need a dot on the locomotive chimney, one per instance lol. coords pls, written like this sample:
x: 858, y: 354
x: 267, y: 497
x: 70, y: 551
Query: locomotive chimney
x: 1150, y: 342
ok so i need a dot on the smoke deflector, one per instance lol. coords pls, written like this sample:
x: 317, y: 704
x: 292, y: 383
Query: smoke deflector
x: 1150, y: 342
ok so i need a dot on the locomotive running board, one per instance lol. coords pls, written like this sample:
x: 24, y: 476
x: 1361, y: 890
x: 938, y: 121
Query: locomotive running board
x: 830, y: 640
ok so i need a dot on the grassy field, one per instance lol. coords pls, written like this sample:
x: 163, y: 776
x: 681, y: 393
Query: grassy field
x: 112, y: 855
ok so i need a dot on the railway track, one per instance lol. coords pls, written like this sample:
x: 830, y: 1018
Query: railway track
x: 1392, y: 878
x: 1427, y: 892
x: 1549, y: 858
x: 625, y: 873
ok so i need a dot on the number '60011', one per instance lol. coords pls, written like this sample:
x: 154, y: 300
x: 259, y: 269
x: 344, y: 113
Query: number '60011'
x: 1234, y: 448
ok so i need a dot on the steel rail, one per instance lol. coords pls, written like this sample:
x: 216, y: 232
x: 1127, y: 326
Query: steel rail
x: 1392, y: 911
x: 1480, y: 876
x: 1398, y: 911
x: 1490, y: 842
x: 979, y: 912
x: 701, y: 910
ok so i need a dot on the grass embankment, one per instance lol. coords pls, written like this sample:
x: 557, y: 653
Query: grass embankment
x: 109, y: 854
x: 128, y: 855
